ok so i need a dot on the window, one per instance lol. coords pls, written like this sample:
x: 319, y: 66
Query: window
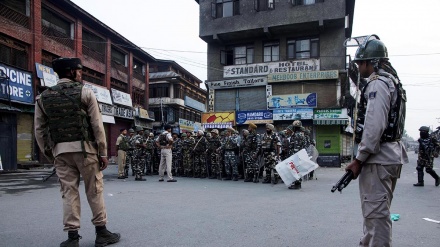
x: 262, y: 5
x: 138, y: 70
x: 92, y: 76
x: 224, y: 8
x: 119, y: 57
x: 237, y: 55
x: 302, y: 48
x: 17, y: 11
x: 93, y: 46
x: 271, y: 52
x: 138, y: 96
x: 179, y: 92
x: 159, y: 90
x: 306, y: 2
x: 56, y: 27
x: 13, y: 53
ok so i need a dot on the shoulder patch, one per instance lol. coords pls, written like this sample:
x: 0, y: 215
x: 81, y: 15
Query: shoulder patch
x: 372, y: 95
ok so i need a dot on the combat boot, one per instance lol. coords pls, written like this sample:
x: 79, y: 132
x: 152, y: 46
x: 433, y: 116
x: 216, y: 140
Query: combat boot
x: 72, y: 241
x: 104, y: 237
x: 228, y: 177
x: 212, y: 177
x: 235, y: 178
x: 267, y: 180
x: 256, y: 180
x: 249, y: 177
x: 219, y: 176
x: 419, y: 184
x: 295, y: 186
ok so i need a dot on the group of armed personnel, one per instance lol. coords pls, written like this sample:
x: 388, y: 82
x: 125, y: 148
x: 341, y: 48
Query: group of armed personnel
x: 224, y: 155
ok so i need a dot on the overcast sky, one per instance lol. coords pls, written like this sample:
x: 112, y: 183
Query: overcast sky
x: 168, y: 29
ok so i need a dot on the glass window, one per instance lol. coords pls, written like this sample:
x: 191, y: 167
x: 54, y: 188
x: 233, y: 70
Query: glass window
x: 118, y: 57
x: 271, y: 52
x: 302, y: 48
x: 224, y: 8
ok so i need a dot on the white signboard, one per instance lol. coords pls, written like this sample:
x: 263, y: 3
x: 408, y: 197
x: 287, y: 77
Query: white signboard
x: 235, y: 83
x: 101, y: 93
x: 259, y: 69
x: 121, y: 98
x: 49, y: 80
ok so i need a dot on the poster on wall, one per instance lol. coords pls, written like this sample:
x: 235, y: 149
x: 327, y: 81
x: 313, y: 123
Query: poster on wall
x: 47, y: 75
x: 219, y: 120
x: 292, y: 100
x: 293, y: 114
x: 121, y: 98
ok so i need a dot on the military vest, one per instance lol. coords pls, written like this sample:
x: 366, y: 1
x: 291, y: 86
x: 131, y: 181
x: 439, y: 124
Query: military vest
x: 67, y: 116
x: 123, y: 144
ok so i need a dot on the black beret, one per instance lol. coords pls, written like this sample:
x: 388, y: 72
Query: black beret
x: 167, y: 127
x: 66, y: 63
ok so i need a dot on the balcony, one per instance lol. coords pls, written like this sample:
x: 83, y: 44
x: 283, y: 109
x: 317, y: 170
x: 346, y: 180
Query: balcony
x: 166, y: 101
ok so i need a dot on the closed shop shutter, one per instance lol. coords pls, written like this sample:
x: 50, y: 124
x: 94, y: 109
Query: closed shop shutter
x: 224, y: 100
x: 253, y: 98
x: 24, y: 137
x: 114, y: 133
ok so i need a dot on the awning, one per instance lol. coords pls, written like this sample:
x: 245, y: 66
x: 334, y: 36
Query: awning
x: 108, y: 119
x: 336, y: 121
x: 217, y: 125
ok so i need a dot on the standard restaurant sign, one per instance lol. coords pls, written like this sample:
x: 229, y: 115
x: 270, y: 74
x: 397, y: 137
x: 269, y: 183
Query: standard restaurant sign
x: 235, y: 83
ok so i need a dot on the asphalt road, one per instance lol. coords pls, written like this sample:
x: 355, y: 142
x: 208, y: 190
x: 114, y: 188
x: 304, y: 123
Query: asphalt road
x: 203, y: 212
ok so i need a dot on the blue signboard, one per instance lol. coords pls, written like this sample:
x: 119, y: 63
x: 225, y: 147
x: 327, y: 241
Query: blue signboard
x: 292, y: 101
x: 293, y: 114
x: 20, y: 85
x: 256, y: 117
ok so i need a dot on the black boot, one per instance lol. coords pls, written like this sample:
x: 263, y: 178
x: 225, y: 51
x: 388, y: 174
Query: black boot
x: 420, y: 182
x: 72, y: 241
x: 295, y: 185
x: 256, y: 179
x: 266, y: 180
x: 249, y: 177
x: 104, y: 237
x: 228, y: 177
x: 434, y: 175
x: 235, y: 178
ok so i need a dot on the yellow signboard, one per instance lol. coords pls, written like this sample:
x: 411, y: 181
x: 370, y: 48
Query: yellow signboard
x: 218, y: 119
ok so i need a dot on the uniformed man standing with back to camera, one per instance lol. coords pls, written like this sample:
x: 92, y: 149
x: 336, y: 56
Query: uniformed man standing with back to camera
x: 70, y: 113
x: 428, y: 146
x: 381, y: 153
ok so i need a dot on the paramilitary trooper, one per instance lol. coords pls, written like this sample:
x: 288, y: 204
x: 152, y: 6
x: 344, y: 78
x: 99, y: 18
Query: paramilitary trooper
x: 187, y: 147
x: 271, y: 145
x: 149, y: 154
x: 139, y: 154
x: 129, y: 162
x: 213, y: 145
x: 230, y: 146
x: 428, y: 146
x: 251, y: 148
x: 199, y: 151
x: 297, y: 142
x: 177, y: 154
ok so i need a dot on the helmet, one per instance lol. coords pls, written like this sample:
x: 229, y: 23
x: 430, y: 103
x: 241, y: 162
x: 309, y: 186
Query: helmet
x: 270, y: 126
x: 424, y: 128
x: 208, y: 135
x: 214, y: 131
x: 371, y: 50
x: 139, y: 128
x: 303, y: 129
x: 66, y: 63
x: 297, y: 123
x: 151, y: 134
x: 290, y: 127
x: 131, y: 130
x: 184, y: 135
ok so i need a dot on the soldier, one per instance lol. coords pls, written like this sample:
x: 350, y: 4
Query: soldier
x: 149, y: 154
x: 200, y: 155
x: 129, y: 161
x: 122, y: 147
x: 229, y: 146
x: 177, y: 154
x: 156, y: 161
x: 213, y: 145
x: 76, y: 146
x: 270, y: 144
x: 187, y: 147
x: 381, y: 153
x: 140, y: 154
x: 428, y: 146
x: 297, y: 142
x: 165, y: 143
x: 251, y: 148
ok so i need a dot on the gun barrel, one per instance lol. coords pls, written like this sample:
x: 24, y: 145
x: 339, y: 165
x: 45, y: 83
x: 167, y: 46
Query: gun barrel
x: 343, y: 182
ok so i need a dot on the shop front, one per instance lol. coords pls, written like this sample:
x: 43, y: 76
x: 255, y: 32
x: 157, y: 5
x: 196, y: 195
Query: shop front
x: 259, y: 118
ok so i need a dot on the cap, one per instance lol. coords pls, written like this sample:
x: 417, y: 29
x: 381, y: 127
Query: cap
x: 296, y: 123
x: 231, y: 130
x: 138, y: 128
x: 253, y: 126
x: 151, y: 134
x: 290, y: 127
x: 424, y: 128
x: 184, y: 135
x: 131, y: 130
x: 66, y: 63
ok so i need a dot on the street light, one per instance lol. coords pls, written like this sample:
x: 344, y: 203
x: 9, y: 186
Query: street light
x: 4, y: 76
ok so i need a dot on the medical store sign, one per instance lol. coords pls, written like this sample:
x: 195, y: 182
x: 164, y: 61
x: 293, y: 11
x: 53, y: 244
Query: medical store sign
x: 102, y: 94
x: 304, y: 76
x: 262, y: 69
x: 236, y: 83
x: 16, y: 84
x: 292, y: 114
x: 255, y: 117
x: 48, y: 77
x: 291, y: 100
x: 121, y: 98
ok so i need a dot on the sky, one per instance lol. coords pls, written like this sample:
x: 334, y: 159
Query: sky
x: 169, y: 29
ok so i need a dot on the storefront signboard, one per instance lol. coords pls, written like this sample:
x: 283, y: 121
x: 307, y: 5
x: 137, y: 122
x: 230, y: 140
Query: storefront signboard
x: 255, y: 117
x: 236, y: 83
x: 292, y: 114
x: 121, y: 98
x: 20, y: 85
x: 292, y: 100
x: 304, y: 76
x: 102, y: 94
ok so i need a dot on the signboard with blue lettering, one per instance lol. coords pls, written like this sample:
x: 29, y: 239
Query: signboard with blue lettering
x: 291, y: 101
x: 48, y: 77
x: 256, y: 117
x: 20, y: 85
x: 293, y: 114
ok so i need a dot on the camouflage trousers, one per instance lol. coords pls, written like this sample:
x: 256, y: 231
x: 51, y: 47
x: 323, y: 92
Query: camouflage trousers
x: 230, y: 161
x: 139, y: 165
x: 187, y: 163
x: 200, y: 164
x: 129, y: 160
x: 270, y: 162
x: 148, y: 163
x: 250, y: 161
x: 429, y: 164
x: 175, y: 166
x: 215, y: 169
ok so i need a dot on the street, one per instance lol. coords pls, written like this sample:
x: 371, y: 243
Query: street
x: 205, y: 212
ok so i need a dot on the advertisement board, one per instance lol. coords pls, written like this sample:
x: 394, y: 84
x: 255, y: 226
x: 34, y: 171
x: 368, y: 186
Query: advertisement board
x: 20, y: 85
x: 256, y: 117
x: 292, y: 100
x: 219, y: 120
x: 121, y: 98
x: 102, y: 94
x: 293, y: 114
x: 304, y: 76
x: 236, y: 83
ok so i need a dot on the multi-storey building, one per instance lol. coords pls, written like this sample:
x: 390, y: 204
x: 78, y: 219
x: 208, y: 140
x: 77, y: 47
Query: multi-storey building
x: 32, y: 34
x: 175, y: 97
x: 276, y: 61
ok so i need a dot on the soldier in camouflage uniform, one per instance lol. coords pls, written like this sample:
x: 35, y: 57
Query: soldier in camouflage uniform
x: 200, y: 155
x: 177, y: 154
x: 129, y: 159
x: 139, y: 154
x: 271, y: 145
x: 427, y: 151
x: 297, y: 142
x: 213, y: 145
x: 149, y: 154
x: 251, y: 147
x: 156, y: 160
x: 229, y: 145
x: 187, y: 147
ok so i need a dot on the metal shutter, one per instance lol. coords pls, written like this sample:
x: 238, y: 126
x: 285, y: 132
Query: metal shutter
x: 224, y: 100
x: 253, y: 98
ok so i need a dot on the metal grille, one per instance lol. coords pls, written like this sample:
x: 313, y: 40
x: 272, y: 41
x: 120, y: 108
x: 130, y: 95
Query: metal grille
x: 14, y: 16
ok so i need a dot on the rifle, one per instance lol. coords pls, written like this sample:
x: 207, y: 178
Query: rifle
x: 50, y: 175
x: 343, y: 182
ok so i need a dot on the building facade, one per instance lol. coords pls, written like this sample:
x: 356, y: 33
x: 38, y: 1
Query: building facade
x: 175, y: 97
x: 284, y: 58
